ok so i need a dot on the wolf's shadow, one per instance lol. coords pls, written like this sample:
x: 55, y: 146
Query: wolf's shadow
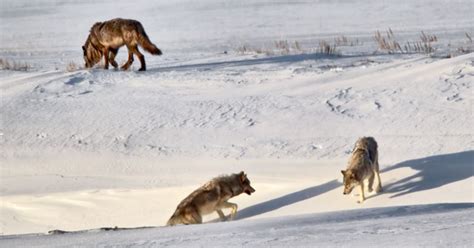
x: 286, y: 200
x: 282, y: 59
x: 432, y: 172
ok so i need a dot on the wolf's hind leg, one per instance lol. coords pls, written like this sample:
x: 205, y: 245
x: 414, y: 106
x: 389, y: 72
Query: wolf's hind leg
x: 129, y: 61
x: 377, y: 172
x: 371, y: 182
x: 140, y: 56
x: 379, y: 185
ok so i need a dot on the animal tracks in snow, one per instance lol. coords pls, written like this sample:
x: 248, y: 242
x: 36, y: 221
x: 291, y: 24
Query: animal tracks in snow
x: 456, y: 84
x: 353, y: 104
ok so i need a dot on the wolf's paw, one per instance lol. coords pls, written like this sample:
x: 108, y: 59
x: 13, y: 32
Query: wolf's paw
x: 142, y: 69
x: 370, y: 190
x: 125, y: 67
x: 378, y: 190
x: 114, y: 64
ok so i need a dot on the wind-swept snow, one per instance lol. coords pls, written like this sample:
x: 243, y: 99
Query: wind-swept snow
x: 446, y: 225
x: 84, y: 149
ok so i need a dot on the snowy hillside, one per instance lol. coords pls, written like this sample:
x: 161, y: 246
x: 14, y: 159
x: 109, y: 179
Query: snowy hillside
x: 448, y: 225
x: 242, y: 85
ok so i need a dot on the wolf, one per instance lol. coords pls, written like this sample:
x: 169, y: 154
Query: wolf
x: 105, y: 39
x: 363, y: 164
x: 212, y: 196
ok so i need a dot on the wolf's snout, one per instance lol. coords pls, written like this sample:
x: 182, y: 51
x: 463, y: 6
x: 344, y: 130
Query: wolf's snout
x: 249, y: 191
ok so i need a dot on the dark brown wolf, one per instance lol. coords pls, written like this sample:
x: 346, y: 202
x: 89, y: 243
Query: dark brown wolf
x: 210, y: 197
x: 107, y: 37
x: 363, y: 164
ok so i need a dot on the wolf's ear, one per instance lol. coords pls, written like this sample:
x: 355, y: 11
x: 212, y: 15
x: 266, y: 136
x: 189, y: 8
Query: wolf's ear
x: 242, y: 176
x: 343, y: 172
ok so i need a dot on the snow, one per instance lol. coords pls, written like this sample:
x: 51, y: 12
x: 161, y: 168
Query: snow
x: 85, y: 149
x: 423, y: 225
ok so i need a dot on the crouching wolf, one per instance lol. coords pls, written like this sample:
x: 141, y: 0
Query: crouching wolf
x: 107, y: 37
x: 363, y: 164
x: 212, y: 196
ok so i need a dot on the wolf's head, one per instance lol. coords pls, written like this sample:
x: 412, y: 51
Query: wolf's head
x: 350, y: 180
x: 91, y: 54
x: 245, y: 183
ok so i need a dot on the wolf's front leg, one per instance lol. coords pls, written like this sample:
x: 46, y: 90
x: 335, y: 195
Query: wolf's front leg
x: 221, y: 214
x: 362, y: 196
x: 233, y: 206
x: 233, y: 212
x: 106, y: 58
x: 113, y: 53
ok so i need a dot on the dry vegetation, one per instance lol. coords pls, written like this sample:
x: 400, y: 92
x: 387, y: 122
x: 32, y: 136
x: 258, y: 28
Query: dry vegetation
x: 386, y: 42
x: 72, y: 66
x: 389, y: 43
x: 279, y: 47
x: 13, y: 65
x: 285, y: 47
x: 468, y: 37
x: 467, y: 47
x: 326, y: 48
x: 345, y: 41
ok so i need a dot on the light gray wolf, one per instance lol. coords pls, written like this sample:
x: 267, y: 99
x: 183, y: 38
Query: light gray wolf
x: 212, y: 196
x: 363, y: 164
x: 105, y: 39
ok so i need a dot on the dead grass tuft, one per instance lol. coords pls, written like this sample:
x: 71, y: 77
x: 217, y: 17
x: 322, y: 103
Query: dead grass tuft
x: 279, y: 47
x: 345, y: 41
x: 390, y: 44
x: 468, y: 37
x: 326, y: 48
x: 72, y: 66
x: 14, y: 65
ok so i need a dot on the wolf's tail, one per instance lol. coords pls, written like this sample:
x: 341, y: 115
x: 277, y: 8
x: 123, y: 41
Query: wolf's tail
x: 145, y: 42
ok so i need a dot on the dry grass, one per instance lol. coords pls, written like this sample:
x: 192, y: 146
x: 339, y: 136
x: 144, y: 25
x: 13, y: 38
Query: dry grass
x: 345, y: 41
x: 426, y: 38
x: 468, y: 37
x: 244, y: 49
x: 326, y: 48
x: 14, y: 65
x: 386, y: 41
x: 389, y: 43
x: 279, y: 47
x: 72, y: 66
x: 467, y: 47
x: 285, y: 47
